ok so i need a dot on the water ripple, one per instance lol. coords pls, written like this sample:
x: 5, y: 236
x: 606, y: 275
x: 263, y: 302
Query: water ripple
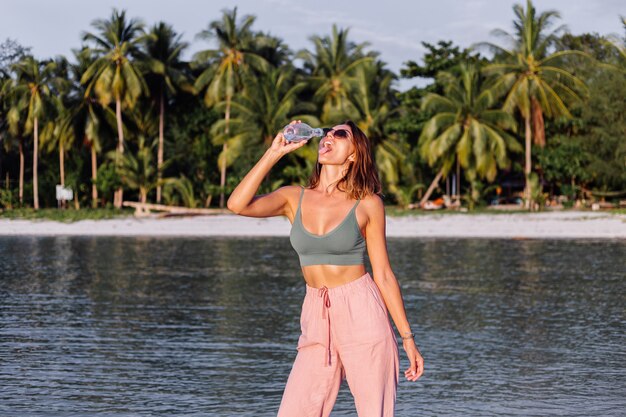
x: 162, y: 327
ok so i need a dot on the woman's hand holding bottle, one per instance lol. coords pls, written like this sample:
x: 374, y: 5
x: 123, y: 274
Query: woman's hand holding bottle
x: 243, y: 194
x: 281, y: 147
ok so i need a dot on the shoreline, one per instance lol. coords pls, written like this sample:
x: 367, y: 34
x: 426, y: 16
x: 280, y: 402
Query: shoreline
x: 543, y: 225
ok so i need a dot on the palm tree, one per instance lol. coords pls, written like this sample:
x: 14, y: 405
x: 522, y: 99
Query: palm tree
x: 373, y: 97
x: 535, y: 79
x: 332, y: 69
x: 164, y: 48
x: 15, y: 121
x: 180, y: 188
x: 116, y: 73
x: 92, y: 123
x: 4, y: 142
x: 265, y: 106
x: 59, y: 133
x: 234, y: 56
x: 466, y: 127
x: 32, y: 90
x: 95, y: 129
x: 138, y: 172
x: 274, y: 50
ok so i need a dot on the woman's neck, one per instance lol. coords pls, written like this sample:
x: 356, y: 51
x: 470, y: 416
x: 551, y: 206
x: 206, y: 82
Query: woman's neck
x: 330, y: 175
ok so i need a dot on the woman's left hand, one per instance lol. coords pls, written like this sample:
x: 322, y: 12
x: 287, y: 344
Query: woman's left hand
x: 416, y: 362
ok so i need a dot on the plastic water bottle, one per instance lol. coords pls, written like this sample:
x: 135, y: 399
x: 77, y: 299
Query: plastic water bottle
x: 300, y: 131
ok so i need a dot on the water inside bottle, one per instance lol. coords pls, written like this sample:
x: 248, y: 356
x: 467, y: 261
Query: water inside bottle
x: 300, y: 131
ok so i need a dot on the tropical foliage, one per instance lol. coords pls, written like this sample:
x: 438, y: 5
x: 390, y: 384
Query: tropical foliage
x: 536, y: 80
x: 128, y: 117
x: 466, y: 127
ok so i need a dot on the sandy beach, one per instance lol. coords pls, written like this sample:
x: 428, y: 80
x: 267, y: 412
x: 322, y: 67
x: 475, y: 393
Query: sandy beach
x: 518, y: 225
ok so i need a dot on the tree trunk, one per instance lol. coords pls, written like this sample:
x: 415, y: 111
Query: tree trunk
x: 143, y: 193
x: 21, y: 180
x: 224, y: 151
x: 527, y: 165
x: 223, y: 175
x: 94, y: 176
x: 432, y: 187
x: 119, y: 194
x: 538, y: 126
x: 35, y: 152
x: 61, y: 164
x: 62, y: 169
x: 160, y: 152
x: 458, y: 180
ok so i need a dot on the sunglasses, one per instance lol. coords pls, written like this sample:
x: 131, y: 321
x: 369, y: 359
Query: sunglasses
x: 338, y: 133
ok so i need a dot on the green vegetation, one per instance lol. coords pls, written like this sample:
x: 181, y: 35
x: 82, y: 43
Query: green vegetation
x: 67, y: 216
x: 541, y: 118
x: 537, y: 80
x: 467, y: 128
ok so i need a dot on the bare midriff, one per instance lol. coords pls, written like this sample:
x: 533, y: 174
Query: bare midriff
x: 317, y: 276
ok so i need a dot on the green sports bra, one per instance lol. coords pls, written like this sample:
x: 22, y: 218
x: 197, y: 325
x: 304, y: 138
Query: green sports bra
x: 344, y: 245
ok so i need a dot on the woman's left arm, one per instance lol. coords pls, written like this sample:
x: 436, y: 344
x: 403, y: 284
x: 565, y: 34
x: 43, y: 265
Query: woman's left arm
x: 388, y: 284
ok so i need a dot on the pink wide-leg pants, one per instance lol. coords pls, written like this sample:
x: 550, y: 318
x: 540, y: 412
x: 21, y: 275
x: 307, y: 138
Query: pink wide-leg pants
x: 346, y: 334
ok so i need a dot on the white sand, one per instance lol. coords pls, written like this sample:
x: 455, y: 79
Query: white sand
x: 537, y: 225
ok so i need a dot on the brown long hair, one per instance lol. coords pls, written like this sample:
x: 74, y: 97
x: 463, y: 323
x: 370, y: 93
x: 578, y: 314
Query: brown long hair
x: 361, y: 179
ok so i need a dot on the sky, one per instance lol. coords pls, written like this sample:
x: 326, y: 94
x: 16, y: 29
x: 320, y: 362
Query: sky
x: 395, y: 28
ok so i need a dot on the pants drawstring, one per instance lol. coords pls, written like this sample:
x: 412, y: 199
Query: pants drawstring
x: 325, y: 305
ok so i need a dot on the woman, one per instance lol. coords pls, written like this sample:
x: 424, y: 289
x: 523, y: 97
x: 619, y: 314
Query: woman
x: 346, y: 332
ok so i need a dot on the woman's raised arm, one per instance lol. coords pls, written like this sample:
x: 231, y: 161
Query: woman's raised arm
x: 245, y: 202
